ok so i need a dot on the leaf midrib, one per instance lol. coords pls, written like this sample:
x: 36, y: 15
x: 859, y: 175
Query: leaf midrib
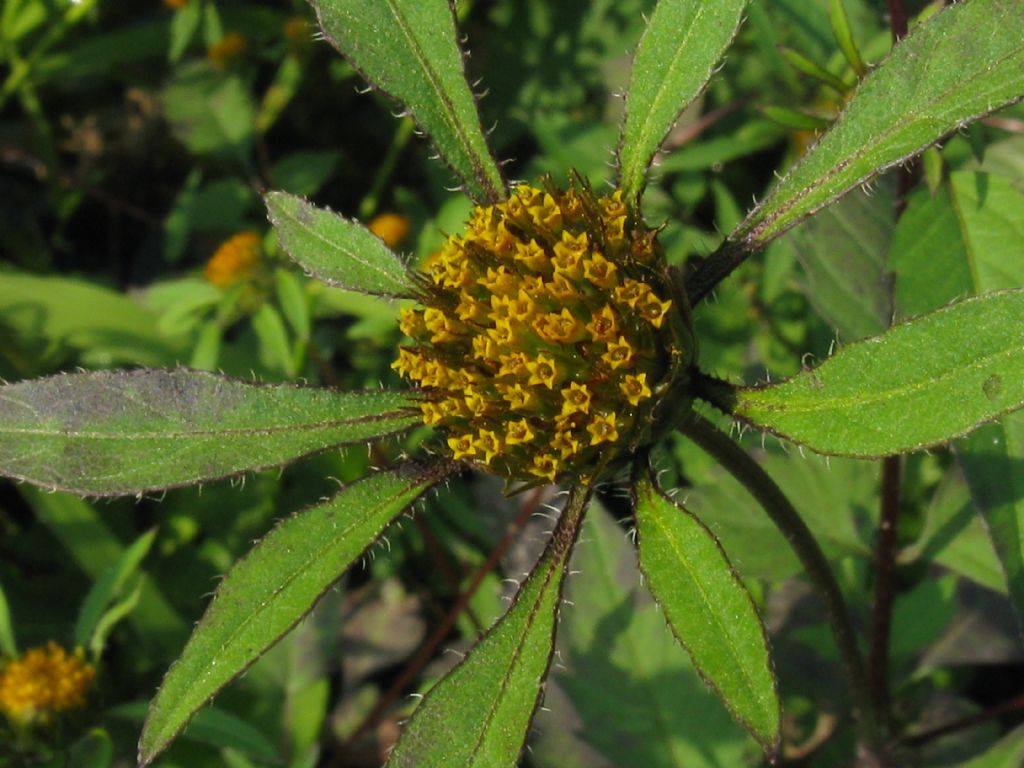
x: 448, y: 113
x: 723, y: 631
x: 395, y: 278
x: 795, y: 405
x: 205, y: 433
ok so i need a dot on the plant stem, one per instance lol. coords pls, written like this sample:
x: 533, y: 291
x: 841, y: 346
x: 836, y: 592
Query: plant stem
x: 748, y: 472
x: 884, y: 566
x: 369, y: 204
x: 716, y: 267
x: 897, y: 19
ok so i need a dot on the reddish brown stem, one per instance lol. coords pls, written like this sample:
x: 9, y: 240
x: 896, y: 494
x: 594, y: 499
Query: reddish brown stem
x: 960, y: 724
x: 430, y: 645
x: 897, y: 19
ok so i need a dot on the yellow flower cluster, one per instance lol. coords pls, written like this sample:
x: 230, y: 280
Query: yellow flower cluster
x: 42, y: 683
x: 544, y: 334
x: 236, y: 259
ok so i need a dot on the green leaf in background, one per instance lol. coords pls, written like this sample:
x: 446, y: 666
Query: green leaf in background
x: 990, y: 211
x: 920, y: 384
x: 210, y: 111
x: 336, y: 251
x: 842, y: 252
x: 709, y: 611
x: 408, y: 49
x: 94, y: 750
x: 275, y: 349
x: 109, y: 586
x: 117, y: 433
x: 637, y: 699
x: 927, y: 255
x: 8, y: 645
x: 479, y: 714
x: 108, y: 327
x: 304, y: 173
x: 954, y: 536
x: 834, y: 498
x: 92, y: 546
x: 213, y: 726
x: 684, y: 41
x: 273, y: 587
x: 935, y: 80
x: 1008, y: 752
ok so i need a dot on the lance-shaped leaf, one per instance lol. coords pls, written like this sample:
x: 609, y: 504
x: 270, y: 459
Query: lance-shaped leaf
x: 336, y: 251
x: 677, y: 54
x: 274, y: 586
x: 479, y: 714
x: 408, y: 49
x: 965, y: 62
x: 917, y: 385
x: 709, y: 611
x: 124, y: 432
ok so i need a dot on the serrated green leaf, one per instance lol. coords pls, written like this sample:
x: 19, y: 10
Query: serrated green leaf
x: 709, y: 611
x: 107, y: 588
x: 408, y: 49
x: 920, y: 384
x: 479, y: 714
x: 272, y: 588
x: 934, y: 81
x: 677, y: 54
x: 336, y: 251
x: 125, y: 432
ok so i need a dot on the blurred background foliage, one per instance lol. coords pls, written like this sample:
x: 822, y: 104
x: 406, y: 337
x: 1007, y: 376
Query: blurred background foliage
x: 135, y: 142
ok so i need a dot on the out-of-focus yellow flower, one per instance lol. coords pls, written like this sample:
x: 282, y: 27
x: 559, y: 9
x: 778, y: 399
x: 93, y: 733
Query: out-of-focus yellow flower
x: 42, y: 683
x: 228, y: 49
x: 392, y: 228
x: 235, y: 260
x: 175, y: 4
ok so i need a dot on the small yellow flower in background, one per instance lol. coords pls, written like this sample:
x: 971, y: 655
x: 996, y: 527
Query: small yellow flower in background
x: 228, y: 49
x: 43, y: 683
x: 392, y: 228
x: 235, y: 260
x: 175, y: 4
x: 544, y: 335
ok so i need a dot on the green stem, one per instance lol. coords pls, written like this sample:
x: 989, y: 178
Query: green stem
x: 748, y: 472
x: 368, y: 205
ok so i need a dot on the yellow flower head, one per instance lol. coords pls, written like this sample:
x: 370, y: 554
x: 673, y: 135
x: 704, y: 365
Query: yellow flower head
x: 392, y: 228
x: 42, y: 683
x: 568, y: 334
x: 236, y: 259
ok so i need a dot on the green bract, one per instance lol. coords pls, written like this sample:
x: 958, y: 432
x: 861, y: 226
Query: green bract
x: 554, y: 343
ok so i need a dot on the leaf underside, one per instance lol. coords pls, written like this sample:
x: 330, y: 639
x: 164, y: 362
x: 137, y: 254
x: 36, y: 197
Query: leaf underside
x: 336, y: 251
x: 479, y: 714
x: 920, y: 384
x: 126, y: 432
x: 965, y: 62
x: 709, y: 611
x: 676, y: 56
x: 408, y: 49
x: 267, y: 592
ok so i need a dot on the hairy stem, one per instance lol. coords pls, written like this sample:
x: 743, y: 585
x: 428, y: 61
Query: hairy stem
x: 748, y: 472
